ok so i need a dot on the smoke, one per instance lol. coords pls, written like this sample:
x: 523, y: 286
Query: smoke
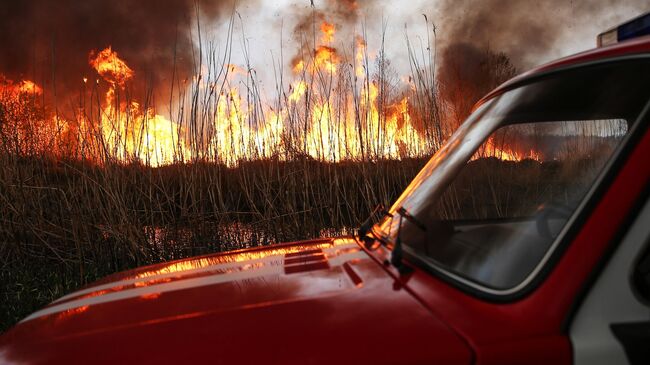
x: 49, y: 41
x: 468, y: 73
x: 343, y: 14
x: 527, y: 30
x: 482, y: 41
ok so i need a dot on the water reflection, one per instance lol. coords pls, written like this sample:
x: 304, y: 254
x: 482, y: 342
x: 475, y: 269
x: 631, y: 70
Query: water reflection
x: 226, y: 272
x: 175, y: 242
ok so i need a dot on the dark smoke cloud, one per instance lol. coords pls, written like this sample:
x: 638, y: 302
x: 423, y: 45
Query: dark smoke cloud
x: 468, y: 73
x: 525, y: 30
x: 475, y: 35
x: 50, y: 40
x: 337, y: 12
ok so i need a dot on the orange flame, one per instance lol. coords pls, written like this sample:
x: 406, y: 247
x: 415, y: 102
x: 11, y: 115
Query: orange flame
x: 9, y: 88
x: 326, y: 59
x: 29, y: 87
x: 335, y: 123
x: 110, y: 66
x: 359, y: 56
x: 328, y: 31
x: 129, y: 132
x: 504, y: 152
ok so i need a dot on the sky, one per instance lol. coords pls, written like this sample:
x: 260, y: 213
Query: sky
x: 49, y: 41
x: 268, y: 24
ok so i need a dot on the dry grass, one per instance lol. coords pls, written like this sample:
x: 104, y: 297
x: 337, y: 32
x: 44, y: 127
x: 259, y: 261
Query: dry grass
x: 65, y: 223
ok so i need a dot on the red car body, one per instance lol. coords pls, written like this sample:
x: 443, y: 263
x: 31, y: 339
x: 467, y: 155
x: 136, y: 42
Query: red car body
x: 334, y: 300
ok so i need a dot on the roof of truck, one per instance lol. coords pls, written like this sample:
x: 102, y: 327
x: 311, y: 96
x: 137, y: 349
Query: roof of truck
x: 631, y: 47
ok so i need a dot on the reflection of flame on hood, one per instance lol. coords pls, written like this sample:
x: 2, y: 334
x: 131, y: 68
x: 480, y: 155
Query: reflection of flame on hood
x: 71, y: 312
x: 331, y: 258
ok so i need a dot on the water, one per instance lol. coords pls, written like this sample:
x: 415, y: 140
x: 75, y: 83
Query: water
x: 176, y: 242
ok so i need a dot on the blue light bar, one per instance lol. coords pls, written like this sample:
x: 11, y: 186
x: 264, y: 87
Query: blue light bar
x: 634, y: 28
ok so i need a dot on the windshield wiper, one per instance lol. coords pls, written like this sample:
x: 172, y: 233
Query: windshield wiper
x: 366, y: 226
x: 411, y: 218
x: 397, y: 252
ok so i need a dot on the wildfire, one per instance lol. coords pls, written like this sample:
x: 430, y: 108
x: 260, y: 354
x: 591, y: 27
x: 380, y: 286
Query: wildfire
x: 361, y: 130
x: 334, y: 110
x: 325, y: 58
x: 297, y: 91
x: 127, y: 131
x: 24, y: 87
x: 110, y: 66
x: 29, y: 87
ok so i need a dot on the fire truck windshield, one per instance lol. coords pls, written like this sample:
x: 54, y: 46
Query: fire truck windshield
x: 498, y: 197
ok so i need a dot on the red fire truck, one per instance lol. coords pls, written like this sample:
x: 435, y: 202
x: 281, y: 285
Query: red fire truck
x: 525, y: 239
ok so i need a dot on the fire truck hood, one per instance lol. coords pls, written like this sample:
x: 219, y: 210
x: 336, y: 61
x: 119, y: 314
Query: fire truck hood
x: 321, y: 301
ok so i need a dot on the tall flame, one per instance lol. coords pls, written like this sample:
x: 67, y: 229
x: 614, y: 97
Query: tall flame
x: 334, y: 110
x: 127, y: 131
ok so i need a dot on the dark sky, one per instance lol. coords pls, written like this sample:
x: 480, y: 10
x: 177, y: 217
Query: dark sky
x: 49, y: 40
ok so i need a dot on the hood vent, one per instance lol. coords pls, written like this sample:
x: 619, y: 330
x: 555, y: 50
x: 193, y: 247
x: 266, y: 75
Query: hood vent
x: 305, y: 261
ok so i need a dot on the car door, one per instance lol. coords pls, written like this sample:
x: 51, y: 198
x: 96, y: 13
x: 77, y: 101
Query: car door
x: 612, y: 322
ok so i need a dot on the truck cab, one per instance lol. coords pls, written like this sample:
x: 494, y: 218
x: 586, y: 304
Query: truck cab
x: 524, y: 239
